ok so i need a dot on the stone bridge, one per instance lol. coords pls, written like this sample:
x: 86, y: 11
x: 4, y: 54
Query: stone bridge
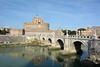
x: 69, y: 43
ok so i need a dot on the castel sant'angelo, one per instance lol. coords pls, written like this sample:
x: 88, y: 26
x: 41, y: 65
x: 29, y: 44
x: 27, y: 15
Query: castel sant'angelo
x: 37, y: 26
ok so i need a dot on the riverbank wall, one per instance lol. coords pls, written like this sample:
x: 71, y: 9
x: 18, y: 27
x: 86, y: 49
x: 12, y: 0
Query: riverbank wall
x: 12, y: 39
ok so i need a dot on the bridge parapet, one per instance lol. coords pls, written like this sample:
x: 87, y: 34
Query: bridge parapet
x: 80, y: 37
x: 60, y: 36
x: 71, y: 36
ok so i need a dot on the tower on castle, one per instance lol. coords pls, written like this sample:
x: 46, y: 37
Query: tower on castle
x: 37, y: 24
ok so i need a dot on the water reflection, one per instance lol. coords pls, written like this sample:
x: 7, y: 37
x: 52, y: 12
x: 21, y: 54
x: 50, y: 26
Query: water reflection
x: 85, y: 52
x: 29, y: 56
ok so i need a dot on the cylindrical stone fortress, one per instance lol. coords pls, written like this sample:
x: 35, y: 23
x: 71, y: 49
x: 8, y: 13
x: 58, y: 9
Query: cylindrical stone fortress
x: 36, y: 25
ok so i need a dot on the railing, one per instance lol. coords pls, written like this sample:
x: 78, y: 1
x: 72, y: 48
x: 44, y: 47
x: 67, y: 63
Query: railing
x: 81, y: 37
x: 52, y: 35
x: 72, y: 36
x: 60, y: 36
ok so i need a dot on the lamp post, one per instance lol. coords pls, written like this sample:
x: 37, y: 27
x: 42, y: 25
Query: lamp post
x: 95, y: 35
x: 77, y: 32
x: 67, y: 33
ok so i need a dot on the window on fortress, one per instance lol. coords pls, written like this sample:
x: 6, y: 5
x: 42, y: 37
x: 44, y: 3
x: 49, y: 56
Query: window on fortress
x: 39, y: 22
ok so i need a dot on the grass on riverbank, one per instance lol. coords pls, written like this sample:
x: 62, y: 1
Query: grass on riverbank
x: 11, y: 44
x: 21, y: 44
x: 35, y: 42
x: 5, y: 44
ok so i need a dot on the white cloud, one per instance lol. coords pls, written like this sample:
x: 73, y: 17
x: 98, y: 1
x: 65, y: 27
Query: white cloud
x: 7, y: 27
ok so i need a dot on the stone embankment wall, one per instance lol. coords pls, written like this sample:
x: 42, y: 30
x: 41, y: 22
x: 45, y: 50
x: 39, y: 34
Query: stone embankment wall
x: 94, y: 50
x: 7, y: 38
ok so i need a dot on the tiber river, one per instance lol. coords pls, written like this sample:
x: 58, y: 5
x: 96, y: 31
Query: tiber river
x: 35, y: 56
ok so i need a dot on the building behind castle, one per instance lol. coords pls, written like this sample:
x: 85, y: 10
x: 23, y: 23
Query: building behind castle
x: 90, y: 31
x: 86, y: 32
x: 97, y: 30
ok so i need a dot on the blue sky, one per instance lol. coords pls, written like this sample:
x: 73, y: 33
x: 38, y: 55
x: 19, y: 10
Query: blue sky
x: 60, y: 14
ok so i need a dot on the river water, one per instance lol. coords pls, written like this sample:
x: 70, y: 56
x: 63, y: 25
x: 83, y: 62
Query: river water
x: 35, y: 56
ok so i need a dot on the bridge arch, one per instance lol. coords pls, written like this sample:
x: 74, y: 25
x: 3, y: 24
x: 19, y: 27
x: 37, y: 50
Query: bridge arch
x: 61, y: 44
x: 78, y: 45
x: 83, y: 42
x: 50, y: 40
x: 43, y: 39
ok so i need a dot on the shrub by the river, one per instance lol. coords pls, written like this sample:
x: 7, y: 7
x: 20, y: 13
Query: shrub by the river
x: 36, y: 42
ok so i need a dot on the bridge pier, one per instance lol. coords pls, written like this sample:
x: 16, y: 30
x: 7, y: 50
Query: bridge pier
x: 68, y: 47
x: 53, y: 42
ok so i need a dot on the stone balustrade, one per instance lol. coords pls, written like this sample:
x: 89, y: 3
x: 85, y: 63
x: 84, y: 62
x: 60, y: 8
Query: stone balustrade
x: 80, y: 37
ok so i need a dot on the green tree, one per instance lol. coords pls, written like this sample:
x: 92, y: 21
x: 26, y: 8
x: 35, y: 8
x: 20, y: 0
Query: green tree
x: 81, y: 29
x: 73, y: 32
x: 69, y: 32
x: 4, y: 32
x: 0, y: 31
x: 64, y: 31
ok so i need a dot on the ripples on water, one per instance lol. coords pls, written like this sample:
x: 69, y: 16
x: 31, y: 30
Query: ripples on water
x: 29, y: 56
